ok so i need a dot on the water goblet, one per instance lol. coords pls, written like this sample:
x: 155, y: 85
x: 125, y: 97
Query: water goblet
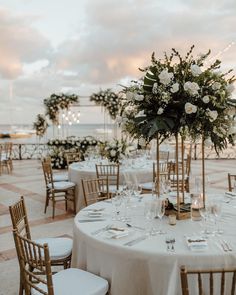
x: 150, y: 213
x: 116, y: 202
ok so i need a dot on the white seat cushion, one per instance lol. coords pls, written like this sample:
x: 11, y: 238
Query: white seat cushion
x: 147, y: 185
x: 73, y: 281
x: 62, y: 185
x: 59, y: 248
x: 60, y: 177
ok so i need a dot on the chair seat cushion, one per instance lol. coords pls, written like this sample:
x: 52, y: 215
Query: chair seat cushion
x: 73, y: 281
x: 60, y: 177
x: 62, y: 185
x: 59, y: 248
x: 147, y: 185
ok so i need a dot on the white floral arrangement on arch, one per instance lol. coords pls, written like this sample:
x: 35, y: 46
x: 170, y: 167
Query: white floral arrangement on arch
x: 108, y: 99
x: 181, y: 95
x: 40, y: 125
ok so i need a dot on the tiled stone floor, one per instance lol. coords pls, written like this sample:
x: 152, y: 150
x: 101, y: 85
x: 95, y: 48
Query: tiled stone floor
x: 27, y: 179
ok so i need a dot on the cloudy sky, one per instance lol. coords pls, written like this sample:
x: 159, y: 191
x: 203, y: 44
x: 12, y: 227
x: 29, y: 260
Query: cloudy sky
x: 80, y: 46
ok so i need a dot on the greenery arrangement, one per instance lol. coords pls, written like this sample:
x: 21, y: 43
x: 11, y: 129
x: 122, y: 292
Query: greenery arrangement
x: 40, y: 125
x: 58, y: 148
x: 180, y: 95
x: 109, y: 100
x: 57, y: 102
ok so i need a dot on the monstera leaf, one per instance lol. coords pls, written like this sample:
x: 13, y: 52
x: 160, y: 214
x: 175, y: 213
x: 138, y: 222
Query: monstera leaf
x: 149, y: 80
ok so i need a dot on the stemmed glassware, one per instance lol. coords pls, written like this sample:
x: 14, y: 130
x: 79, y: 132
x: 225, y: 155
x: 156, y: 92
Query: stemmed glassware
x: 160, y: 214
x: 116, y: 202
x: 150, y: 214
x: 217, y: 210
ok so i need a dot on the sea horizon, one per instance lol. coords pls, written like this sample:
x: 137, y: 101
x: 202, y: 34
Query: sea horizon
x: 99, y: 131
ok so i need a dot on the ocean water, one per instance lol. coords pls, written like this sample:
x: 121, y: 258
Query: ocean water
x: 99, y: 131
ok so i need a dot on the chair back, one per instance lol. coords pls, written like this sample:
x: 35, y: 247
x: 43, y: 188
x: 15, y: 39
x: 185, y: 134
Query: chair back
x: 95, y: 190
x: 231, y: 182
x: 19, y: 218
x: 164, y: 155
x: 72, y: 157
x: 8, y: 149
x: 35, y: 265
x: 109, y: 171
x: 163, y: 169
x: 213, y: 276
x: 48, y: 174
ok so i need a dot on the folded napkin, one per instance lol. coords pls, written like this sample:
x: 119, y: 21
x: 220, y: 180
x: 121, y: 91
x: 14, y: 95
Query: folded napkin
x: 117, y: 232
x: 95, y: 214
x: 197, y: 243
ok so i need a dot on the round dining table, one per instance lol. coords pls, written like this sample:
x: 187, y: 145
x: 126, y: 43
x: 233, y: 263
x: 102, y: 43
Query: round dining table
x: 138, y: 263
x: 134, y: 170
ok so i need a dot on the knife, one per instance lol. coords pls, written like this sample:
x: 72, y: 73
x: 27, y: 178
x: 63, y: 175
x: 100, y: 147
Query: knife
x: 135, y: 241
x: 90, y: 220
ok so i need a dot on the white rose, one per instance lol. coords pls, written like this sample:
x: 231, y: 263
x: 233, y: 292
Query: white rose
x: 232, y: 130
x: 206, y: 99
x: 129, y: 95
x: 216, y: 86
x: 142, y: 141
x: 190, y: 108
x: 191, y: 87
x: 155, y: 88
x: 140, y: 114
x: 165, y: 77
x: 138, y: 97
x: 196, y: 70
x: 212, y: 114
x: 113, y: 153
x: 160, y: 111
x: 175, y: 88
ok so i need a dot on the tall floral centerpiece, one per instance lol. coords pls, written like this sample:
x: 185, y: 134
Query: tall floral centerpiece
x: 183, y: 96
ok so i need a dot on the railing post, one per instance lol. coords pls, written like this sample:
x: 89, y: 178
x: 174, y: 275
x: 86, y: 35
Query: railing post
x: 20, y: 155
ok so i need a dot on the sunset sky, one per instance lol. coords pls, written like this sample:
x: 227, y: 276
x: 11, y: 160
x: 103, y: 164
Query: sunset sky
x: 80, y: 46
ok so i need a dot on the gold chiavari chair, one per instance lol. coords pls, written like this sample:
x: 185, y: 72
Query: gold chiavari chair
x: 112, y: 173
x: 219, y: 276
x: 95, y: 190
x: 184, y: 172
x: 72, y: 157
x: 37, y: 273
x: 231, y: 182
x: 6, y: 157
x: 164, y: 175
x: 57, y: 191
x: 56, y: 176
x: 60, y: 248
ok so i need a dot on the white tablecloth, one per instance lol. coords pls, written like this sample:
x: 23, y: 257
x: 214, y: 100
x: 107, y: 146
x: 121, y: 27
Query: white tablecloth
x: 146, y: 268
x: 135, y: 171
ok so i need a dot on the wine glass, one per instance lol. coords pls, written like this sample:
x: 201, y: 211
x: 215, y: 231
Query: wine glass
x: 160, y: 213
x: 150, y: 214
x: 116, y: 202
x: 205, y: 214
x: 217, y: 210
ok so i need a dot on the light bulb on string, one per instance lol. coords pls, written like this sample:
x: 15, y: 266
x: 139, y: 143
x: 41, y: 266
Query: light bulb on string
x: 59, y: 126
x: 63, y: 115
x: 69, y: 112
x: 70, y: 123
x: 66, y: 118
x: 77, y: 121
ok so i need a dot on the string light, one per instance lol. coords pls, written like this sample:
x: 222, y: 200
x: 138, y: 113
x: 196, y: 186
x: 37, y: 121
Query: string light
x: 221, y: 52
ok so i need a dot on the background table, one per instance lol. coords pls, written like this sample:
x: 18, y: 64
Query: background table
x: 135, y: 171
x: 147, y: 268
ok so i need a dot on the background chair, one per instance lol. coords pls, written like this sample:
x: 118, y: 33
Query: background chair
x: 219, y: 275
x: 184, y: 172
x: 6, y: 157
x: 95, y: 190
x: 60, y: 248
x: 72, y: 158
x: 112, y: 173
x: 62, y: 176
x: 231, y: 182
x: 35, y: 262
x: 57, y: 191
